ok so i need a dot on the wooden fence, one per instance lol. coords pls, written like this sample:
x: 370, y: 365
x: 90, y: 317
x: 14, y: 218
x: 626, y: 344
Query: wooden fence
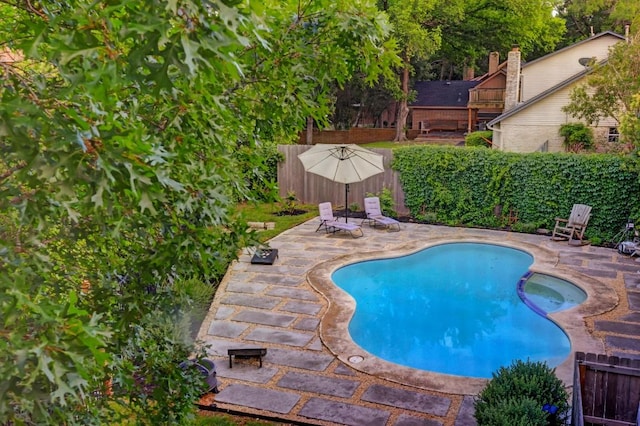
x: 606, y: 390
x: 312, y: 189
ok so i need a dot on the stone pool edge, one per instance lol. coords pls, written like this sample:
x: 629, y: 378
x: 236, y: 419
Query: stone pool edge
x: 341, y: 306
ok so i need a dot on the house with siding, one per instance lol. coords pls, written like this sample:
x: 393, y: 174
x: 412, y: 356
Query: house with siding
x: 460, y: 106
x: 536, y: 91
x: 442, y: 106
x: 486, y: 99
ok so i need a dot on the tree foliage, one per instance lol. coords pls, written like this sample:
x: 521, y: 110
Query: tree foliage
x: 313, y: 48
x: 496, y: 25
x: 458, y: 34
x: 610, y: 91
x: 630, y: 123
x: 586, y: 17
x: 127, y: 134
x: 416, y: 25
x: 357, y: 100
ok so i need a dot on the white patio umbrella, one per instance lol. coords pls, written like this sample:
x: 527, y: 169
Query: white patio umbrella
x: 342, y: 163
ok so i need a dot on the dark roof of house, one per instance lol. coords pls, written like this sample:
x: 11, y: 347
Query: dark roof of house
x: 443, y: 93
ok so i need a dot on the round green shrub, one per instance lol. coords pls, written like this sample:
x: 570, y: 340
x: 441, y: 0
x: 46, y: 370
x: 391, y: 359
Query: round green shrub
x: 524, y: 390
x: 577, y: 137
x: 514, y: 412
x: 481, y: 138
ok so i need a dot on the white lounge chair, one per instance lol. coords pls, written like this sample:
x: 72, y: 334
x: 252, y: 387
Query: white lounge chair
x: 375, y: 217
x: 330, y: 223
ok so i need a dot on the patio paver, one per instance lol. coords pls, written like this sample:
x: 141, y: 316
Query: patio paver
x: 410, y: 400
x: 343, y: 413
x: 291, y: 338
x: 407, y: 420
x: 264, y: 318
x: 315, y: 383
x: 258, y: 397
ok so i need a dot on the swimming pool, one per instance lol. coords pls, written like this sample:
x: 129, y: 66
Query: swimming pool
x: 451, y: 308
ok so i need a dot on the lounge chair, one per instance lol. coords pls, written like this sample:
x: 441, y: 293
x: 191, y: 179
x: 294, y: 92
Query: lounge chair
x: 330, y: 223
x: 573, y: 228
x: 375, y: 217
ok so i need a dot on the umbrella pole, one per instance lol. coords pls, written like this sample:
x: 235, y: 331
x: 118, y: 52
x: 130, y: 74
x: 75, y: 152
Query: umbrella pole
x: 346, y: 198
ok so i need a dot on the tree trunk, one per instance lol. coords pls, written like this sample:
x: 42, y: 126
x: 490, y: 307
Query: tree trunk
x: 403, y: 109
x: 309, y: 140
x: 357, y: 119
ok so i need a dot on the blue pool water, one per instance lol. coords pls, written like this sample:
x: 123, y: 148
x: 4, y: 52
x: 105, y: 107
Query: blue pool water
x: 452, y: 308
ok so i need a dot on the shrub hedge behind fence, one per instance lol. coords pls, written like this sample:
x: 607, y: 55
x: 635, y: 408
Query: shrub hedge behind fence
x: 487, y: 188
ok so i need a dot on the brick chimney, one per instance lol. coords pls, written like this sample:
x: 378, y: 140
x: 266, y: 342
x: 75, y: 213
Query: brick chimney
x: 468, y: 73
x: 494, y: 61
x: 512, y: 89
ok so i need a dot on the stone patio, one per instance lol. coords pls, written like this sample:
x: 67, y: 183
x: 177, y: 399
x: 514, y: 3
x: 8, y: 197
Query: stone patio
x: 306, y: 378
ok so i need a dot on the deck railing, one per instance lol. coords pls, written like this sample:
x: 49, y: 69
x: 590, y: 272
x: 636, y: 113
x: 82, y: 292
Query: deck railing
x: 486, y: 96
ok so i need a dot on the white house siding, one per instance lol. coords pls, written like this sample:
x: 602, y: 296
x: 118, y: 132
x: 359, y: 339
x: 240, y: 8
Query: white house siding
x: 516, y: 137
x: 601, y: 132
x: 544, y: 73
x: 519, y: 135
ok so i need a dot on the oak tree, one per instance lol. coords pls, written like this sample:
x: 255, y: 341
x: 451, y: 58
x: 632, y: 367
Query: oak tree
x: 128, y: 132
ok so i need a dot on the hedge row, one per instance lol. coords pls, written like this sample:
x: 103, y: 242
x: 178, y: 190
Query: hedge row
x: 479, y: 187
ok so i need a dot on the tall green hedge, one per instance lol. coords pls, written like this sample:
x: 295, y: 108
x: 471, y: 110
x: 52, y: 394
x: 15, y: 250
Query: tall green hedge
x: 471, y: 186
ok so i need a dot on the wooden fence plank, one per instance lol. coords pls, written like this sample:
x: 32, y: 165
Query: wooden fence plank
x: 633, y: 395
x: 577, y: 418
x: 588, y: 398
x: 600, y: 388
x: 622, y: 392
x: 609, y: 387
x: 312, y: 189
x: 606, y: 422
x: 610, y: 400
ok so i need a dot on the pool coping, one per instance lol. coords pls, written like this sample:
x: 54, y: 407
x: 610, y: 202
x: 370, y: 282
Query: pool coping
x: 335, y: 335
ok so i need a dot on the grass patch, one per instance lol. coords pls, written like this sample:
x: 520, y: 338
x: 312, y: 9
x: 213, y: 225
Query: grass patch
x: 284, y: 217
x: 390, y: 144
x: 225, y: 420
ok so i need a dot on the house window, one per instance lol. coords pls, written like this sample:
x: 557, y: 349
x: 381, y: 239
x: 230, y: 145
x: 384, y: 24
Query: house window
x: 614, y: 136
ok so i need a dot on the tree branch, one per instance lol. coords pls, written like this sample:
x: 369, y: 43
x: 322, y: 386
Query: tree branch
x: 4, y: 176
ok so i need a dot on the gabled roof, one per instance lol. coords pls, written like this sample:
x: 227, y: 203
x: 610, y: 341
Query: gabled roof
x: 442, y: 93
x: 571, y: 46
x: 543, y: 95
x: 558, y: 86
x: 502, y: 69
x: 503, y: 65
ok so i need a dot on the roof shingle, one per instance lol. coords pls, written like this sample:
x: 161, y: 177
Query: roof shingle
x: 443, y: 93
